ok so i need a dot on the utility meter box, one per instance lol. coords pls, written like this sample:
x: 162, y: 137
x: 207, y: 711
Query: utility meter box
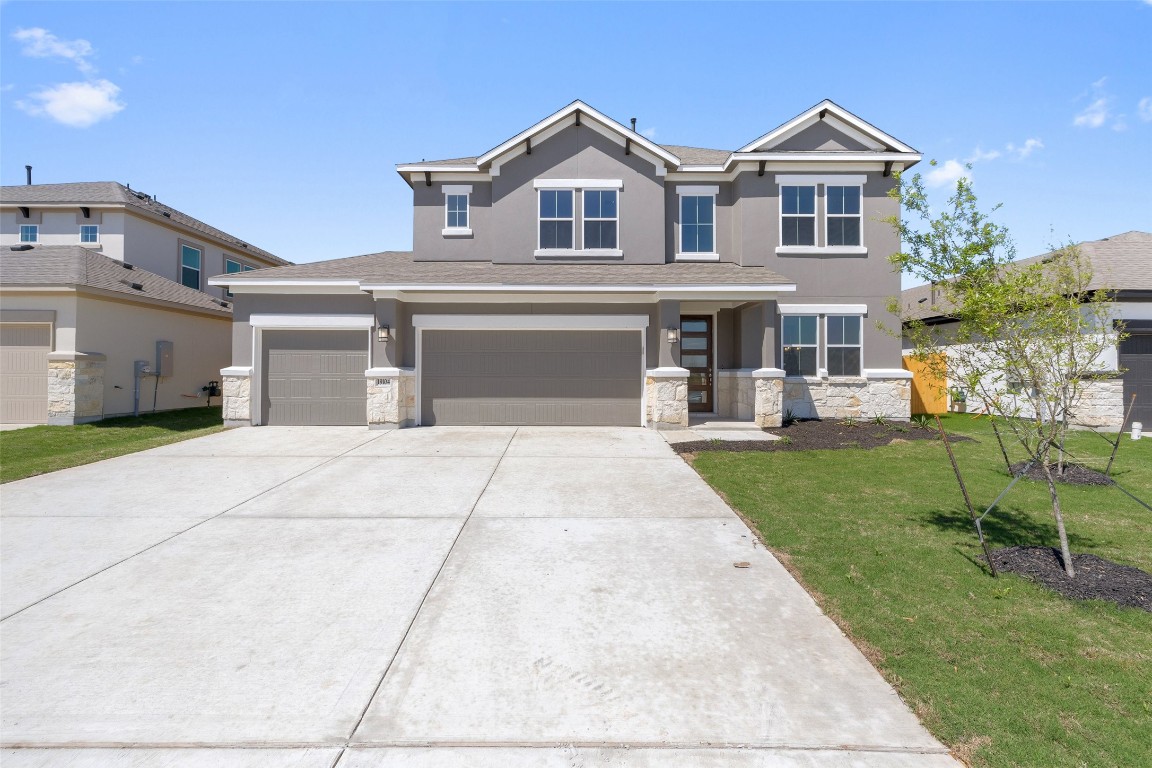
x: 164, y: 360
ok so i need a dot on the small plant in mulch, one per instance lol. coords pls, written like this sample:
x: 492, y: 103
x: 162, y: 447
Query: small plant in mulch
x: 1096, y: 578
x: 1073, y: 474
x: 816, y: 434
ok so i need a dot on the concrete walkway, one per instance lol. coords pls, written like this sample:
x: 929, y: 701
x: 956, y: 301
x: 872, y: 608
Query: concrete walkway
x: 319, y: 597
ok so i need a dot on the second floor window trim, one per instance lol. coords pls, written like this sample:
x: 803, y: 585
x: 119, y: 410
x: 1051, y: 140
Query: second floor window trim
x: 697, y: 226
x: 821, y: 214
x: 557, y: 212
x: 29, y: 233
x: 89, y: 234
x: 457, y: 209
x: 191, y: 259
x: 578, y: 218
x: 231, y: 267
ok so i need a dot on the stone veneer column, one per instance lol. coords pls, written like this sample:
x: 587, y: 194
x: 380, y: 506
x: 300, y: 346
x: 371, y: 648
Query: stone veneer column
x: 236, y: 386
x: 391, y: 397
x: 889, y: 394
x: 769, y: 397
x: 1101, y: 405
x: 666, y: 391
x: 75, y: 387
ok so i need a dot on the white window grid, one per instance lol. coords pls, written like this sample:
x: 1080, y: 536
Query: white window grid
x: 790, y: 216
x: 711, y: 226
x: 541, y: 218
x: 586, y: 218
x: 828, y: 345
x: 815, y: 345
x: 457, y: 210
x: 29, y: 233
x: 186, y: 251
x: 89, y: 233
x: 829, y: 216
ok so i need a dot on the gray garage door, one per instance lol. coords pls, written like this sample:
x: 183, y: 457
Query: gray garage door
x: 24, y: 349
x: 531, y: 377
x: 315, y: 377
x: 1136, y: 360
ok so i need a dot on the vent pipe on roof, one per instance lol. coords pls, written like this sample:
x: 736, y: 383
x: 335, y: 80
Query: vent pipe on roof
x: 28, y: 170
x: 633, y: 125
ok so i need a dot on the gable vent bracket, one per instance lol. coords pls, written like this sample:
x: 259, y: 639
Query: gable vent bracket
x: 627, y: 146
x: 888, y: 169
x: 760, y: 171
x: 428, y: 178
x: 577, y: 118
x: 822, y: 113
x: 528, y: 146
x: 25, y: 212
x: 86, y: 211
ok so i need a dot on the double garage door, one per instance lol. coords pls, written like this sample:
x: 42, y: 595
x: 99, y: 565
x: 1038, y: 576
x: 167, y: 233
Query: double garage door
x: 496, y: 377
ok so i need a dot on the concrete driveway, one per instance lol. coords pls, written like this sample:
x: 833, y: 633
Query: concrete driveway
x: 319, y: 597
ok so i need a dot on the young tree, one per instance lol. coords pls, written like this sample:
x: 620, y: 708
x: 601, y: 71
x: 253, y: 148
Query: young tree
x: 1025, y: 340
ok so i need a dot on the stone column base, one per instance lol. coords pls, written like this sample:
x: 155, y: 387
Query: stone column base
x: 768, y: 397
x: 1101, y: 405
x: 75, y: 387
x: 666, y: 393
x: 236, y: 386
x: 391, y: 398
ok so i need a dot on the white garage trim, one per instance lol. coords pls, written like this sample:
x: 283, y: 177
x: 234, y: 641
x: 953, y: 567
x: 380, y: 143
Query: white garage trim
x: 530, y: 323
x: 304, y: 322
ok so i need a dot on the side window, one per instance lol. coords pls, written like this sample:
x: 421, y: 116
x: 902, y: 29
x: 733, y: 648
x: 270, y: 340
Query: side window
x: 798, y: 215
x: 556, y: 218
x: 843, y: 345
x: 190, y: 266
x: 601, y: 218
x: 799, y: 343
x: 456, y: 211
x: 89, y: 233
x: 697, y: 224
x: 29, y: 233
x: 843, y: 215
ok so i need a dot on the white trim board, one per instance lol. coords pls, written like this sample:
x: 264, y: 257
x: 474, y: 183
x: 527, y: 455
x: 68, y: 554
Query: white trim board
x: 350, y: 322
x: 811, y: 179
x: 822, y: 309
x: 577, y: 184
x: 531, y: 322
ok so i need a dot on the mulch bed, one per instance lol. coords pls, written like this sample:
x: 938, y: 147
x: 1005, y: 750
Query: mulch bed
x: 1074, y: 474
x: 1096, y: 578
x: 827, y: 434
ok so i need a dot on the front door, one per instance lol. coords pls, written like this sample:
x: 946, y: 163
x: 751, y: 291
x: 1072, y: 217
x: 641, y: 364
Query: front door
x: 696, y: 356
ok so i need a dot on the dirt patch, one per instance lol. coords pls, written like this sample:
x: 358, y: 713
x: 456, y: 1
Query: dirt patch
x: 827, y: 434
x: 1096, y: 578
x: 1074, y: 474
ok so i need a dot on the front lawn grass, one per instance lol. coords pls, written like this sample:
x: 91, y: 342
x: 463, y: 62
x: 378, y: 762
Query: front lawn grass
x: 1003, y: 671
x: 36, y: 450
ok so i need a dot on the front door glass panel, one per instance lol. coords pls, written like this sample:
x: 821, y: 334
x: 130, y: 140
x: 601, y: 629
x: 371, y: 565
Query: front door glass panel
x: 696, y: 354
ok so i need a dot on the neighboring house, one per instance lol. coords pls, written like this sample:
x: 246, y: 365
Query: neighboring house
x: 580, y: 273
x: 1121, y: 264
x: 92, y: 276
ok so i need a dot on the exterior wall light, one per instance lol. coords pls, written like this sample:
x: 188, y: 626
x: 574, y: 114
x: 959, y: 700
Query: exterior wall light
x: 673, y: 335
x: 383, y: 333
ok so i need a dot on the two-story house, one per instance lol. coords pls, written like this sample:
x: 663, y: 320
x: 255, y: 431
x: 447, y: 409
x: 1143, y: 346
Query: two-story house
x: 92, y: 277
x: 579, y: 273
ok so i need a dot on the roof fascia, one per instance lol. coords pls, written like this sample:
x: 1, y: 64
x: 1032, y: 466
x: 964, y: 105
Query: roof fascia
x: 385, y: 290
x: 863, y: 129
x: 570, y: 111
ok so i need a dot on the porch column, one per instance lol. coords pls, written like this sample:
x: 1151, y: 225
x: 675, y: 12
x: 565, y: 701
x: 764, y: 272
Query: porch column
x: 769, y: 380
x: 391, y: 389
x: 666, y: 386
x: 668, y: 312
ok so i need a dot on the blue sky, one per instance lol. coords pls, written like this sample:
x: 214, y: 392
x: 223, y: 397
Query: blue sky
x: 282, y: 122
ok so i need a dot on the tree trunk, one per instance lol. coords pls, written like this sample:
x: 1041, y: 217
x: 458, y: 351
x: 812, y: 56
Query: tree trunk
x: 1065, y: 553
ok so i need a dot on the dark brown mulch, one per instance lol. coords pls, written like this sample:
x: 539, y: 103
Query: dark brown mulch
x: 1074, y: 474
x: 1096, y: 578
x: 826, y: 434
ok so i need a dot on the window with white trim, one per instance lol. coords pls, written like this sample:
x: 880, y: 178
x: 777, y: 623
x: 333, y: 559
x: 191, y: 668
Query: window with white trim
x: 29, y: 233
x: 798, y: 215
x: 557, y: 219
x: 456, y: 211
x: 697, y: 224
x: 231, y: 267
x: 799, y: 344
x: 601, y: 218
x: 89, y: 233
x: 843, y: 218
x: 843, y: 345
x: 190, y: 259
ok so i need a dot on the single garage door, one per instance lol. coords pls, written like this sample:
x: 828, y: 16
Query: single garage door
x: 315, y: 377
x: 559, y: 378
x: 1136, y: 362
x: 24, y: 349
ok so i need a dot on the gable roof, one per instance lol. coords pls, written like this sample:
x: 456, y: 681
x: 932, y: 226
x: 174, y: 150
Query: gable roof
x: 397, y: 268
x: 1119, y: 263
x: 70, y: 266
x: 115, y: 193
x: 839, y: 118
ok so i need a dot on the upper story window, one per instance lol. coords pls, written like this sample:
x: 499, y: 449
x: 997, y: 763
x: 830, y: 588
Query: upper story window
x: 799, y: 344
x: 843, y: 345
x: 231, y: 267
x: 697, y: 224
x: 843, y: 218
x: 89, y: 233
x: 29, y: 233
x: 600, y: 218
x: 798, y: 215
x: 557, y: 217
x: 190, y: 259
x: 457, y: 213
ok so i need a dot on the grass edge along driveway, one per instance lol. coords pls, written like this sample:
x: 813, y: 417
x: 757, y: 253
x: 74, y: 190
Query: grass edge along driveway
x: 41, y: 449
x: 1003, y: 671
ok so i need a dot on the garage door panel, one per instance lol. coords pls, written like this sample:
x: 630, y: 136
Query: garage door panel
x: 24, y: 349
x: 315, y: 377
x: 531, y: 377
x: 1136, y: 361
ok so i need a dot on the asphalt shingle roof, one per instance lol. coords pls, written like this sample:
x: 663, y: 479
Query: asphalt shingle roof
x: 1119, y: 263
x: 115, y: 193
x: 73, y: 266
x: 398, y: 268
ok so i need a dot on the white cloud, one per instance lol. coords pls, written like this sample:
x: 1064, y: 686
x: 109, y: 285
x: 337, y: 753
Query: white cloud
x: 78, y: 105
x: 651, y: 132
x: 1026, y: 149
x: 979, y: 155
x: 1144, y: 108
x: 1094, y: 115
x: 1099, y: 112
x: 42, y: 44
x: 947, y: 174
